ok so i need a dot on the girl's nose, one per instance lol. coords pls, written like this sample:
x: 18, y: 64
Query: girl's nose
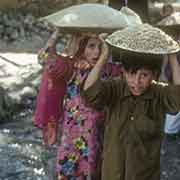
x: 96, y: 51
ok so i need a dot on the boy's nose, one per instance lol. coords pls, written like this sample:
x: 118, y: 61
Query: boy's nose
x: 136, y: 79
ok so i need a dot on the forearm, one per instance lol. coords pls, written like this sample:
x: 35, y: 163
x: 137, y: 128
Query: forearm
x: 163, y: 76
x: 175, y: 69
x: 52, y: 40
x: 48, y: 48
x: 94, y: 74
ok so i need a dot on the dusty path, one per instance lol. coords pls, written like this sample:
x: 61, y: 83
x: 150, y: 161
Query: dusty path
x: 23, y: 157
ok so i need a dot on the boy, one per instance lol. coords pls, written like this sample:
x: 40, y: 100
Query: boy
x: 136, y: 108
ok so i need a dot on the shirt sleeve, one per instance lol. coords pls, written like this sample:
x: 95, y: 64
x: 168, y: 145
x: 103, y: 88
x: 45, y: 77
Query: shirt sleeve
x: 171, y: 98
x: 102, y: 93
x: 59, y: 68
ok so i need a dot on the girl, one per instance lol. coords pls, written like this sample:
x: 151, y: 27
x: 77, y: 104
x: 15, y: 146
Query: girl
x: 81, y: 126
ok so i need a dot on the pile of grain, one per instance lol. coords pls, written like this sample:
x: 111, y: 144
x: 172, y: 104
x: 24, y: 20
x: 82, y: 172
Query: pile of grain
x: 143, y: 39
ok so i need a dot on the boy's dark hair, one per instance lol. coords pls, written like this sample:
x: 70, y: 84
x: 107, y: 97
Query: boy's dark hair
x: 135, y: 61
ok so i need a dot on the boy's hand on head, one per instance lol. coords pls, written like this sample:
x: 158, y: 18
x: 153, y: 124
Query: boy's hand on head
x: 173, y: 60
x: 103, y: 35
x: 172, y: 57
x: 104, y: 48
x: 175, y: 66
x: 74, y: 43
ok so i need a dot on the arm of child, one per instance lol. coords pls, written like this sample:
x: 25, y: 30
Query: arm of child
x: 95, y: 72
x: 99, y: 93
x: 174, y: 64
x: 48, y: 49
x: 163, y: 76
x: 171, y: 93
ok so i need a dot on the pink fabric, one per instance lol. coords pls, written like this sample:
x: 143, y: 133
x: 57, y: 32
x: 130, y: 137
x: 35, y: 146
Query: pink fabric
x: 51, y: 93
x: 82, y: 129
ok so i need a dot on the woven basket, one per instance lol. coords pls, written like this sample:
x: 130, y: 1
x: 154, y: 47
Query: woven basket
x: 143, y: 39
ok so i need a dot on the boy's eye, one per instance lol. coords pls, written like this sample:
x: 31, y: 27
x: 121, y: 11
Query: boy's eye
x: 144, y: 75
x: 132, y: 73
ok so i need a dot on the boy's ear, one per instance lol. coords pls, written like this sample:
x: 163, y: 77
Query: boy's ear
x: 156, y: 75
x: 123, y: 70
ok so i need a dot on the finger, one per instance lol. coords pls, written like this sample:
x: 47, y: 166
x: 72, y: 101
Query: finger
x: 103, y: 35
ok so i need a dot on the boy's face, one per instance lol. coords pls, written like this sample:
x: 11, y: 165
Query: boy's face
x: 139, y: 81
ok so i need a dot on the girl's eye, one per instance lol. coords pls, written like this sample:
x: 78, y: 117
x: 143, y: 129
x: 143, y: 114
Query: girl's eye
x: 91, y: 45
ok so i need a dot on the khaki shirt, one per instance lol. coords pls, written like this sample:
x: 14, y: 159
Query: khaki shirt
x: 134, y: 127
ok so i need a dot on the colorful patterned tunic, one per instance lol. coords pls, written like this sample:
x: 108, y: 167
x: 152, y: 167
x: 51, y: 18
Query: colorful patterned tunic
x: 82, y: 130
x: 59, y: 102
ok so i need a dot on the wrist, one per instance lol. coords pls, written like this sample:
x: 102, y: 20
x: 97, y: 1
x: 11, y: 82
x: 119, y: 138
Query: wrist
x: 55, y: 35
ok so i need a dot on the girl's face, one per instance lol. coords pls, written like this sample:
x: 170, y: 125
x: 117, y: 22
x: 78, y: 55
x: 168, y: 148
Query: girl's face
x: 139, y: 81
x: 92, y: 50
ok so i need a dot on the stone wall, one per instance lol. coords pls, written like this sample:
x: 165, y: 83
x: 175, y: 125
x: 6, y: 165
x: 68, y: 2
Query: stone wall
x: 42, y: 7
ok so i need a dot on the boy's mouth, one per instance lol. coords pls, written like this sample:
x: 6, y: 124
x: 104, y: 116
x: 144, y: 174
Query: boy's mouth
x: 135, y: 91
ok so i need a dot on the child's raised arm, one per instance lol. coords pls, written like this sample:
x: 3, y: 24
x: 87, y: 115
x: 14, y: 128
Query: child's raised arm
x: 175, y: 66
x: 95, y: 72
x: 44, y: 52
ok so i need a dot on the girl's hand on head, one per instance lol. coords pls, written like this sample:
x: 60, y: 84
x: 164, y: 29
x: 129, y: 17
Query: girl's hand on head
x: 90, y: 34
x: 73, y: 44
x: 55, y: 34
x: 53, y: 39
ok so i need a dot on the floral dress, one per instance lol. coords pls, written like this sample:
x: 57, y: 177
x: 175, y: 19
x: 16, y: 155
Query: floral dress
x: 82, y: 130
